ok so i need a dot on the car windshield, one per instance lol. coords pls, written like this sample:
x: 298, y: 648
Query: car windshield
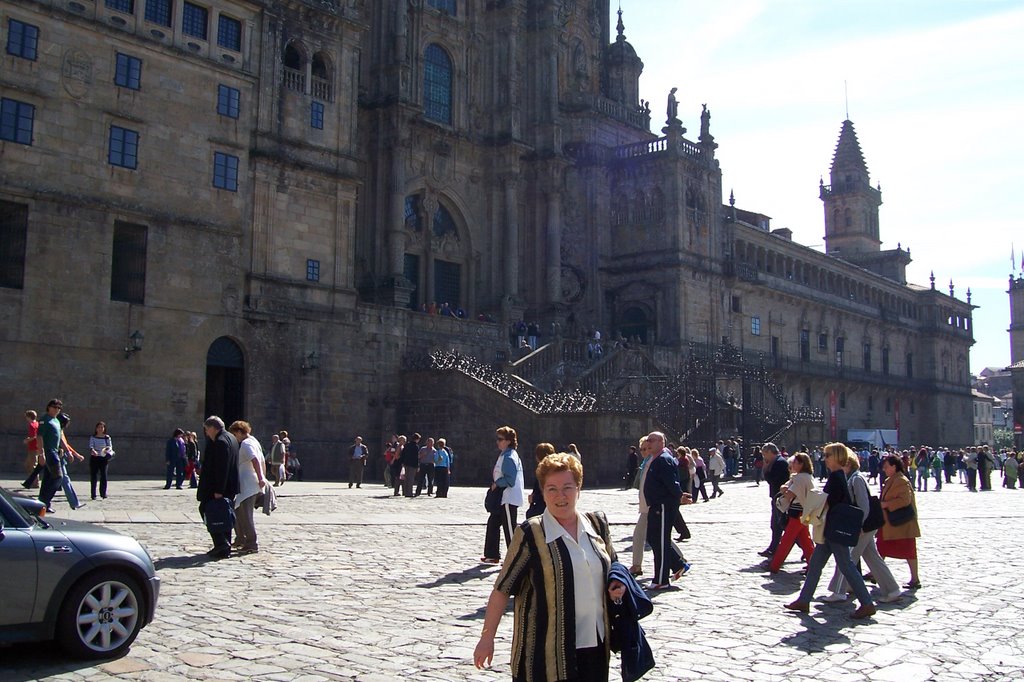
x: 17, y: 509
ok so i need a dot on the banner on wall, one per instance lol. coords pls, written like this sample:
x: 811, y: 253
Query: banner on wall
x: 832, y: 420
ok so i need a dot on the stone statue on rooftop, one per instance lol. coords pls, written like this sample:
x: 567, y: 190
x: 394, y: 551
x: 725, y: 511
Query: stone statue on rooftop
x: 672, y: 110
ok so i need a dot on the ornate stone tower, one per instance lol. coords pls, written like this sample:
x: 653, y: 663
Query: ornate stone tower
x: 851, y: 203
x: 1016, y: 293
x: 622, y: 79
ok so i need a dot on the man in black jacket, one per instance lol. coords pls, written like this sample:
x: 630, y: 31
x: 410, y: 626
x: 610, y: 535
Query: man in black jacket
x: 663, y: 496
x: 219, y: 479
x: 410, y: 459
x: 776, y: 473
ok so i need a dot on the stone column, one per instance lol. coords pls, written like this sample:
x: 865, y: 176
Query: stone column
x: 429, y: 208
x: 511, y: 255
x: 396, y: 215
x: 554, y: 253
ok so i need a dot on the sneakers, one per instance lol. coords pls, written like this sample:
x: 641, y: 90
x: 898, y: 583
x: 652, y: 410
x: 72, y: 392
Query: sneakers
x: 835, y: 597
x: 893, y: 596
x: 659, y: 586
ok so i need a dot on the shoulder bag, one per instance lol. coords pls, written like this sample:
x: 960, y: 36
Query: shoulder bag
x: 492, y: 500
x: 843, y: 522
x: 903, y: 515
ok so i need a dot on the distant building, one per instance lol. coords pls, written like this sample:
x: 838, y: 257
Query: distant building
x: 984, y: 408
x: 239, y: 208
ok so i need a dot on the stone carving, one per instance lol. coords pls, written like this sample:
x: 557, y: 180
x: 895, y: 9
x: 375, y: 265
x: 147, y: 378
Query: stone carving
x: 672, y: 108
x: 76, y: 73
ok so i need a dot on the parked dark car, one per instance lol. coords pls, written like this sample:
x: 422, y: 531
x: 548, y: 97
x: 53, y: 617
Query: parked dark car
x: 30, y: 504
x: 90, y: 588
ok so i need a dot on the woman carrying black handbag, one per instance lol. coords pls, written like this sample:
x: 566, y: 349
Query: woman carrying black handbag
x: 836, y: 457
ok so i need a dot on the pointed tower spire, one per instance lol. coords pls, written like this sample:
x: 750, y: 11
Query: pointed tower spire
x: 851, y: 203
x: 848, y: 156
x: 620, y: 27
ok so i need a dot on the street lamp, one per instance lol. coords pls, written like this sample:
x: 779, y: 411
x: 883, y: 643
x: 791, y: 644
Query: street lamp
x: 134, y: 343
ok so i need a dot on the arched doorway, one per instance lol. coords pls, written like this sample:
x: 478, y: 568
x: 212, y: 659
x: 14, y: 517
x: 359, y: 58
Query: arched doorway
x: 225, y: 380
x: 634, y: 324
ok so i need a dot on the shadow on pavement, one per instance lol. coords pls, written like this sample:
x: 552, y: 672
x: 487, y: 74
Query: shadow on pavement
x: 463, y: 576
x: 823, y: 629
x: 39, y: 660
x: 183, y: 561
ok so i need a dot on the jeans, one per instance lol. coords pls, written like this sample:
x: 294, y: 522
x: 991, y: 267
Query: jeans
x: 922, y: 479
x: 867, y: 550
x: 175, y: 472
x: 938, y: 479
x: 715, y: 489
x: 972, y: 479
x: 846, y: 566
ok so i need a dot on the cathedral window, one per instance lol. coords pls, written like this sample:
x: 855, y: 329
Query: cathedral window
x: 128, y: 263
x: 294, y: 68
x: 159, y: 12
x: 316, y: 115
x: 444, y: 6
x: 123, y: 148
x: 126, y: 6
x: 312, y: 270
x: 437, y: 85
x: 321, y: 79
x: 755, y: 326
x: 128, y: 71
x: 22, y: 39
x: 13, y: 240
x: 229, y: 33
x: 412, y: 213
x: 225, y: 171
x: 443, y: 222
x: 847, y: 218
x: 194, y: 20
x: 16, y: 121
x: 805, y: 345
x: 228, y: 99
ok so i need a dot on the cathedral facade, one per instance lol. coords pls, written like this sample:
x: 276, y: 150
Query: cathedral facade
x: 241, y: 207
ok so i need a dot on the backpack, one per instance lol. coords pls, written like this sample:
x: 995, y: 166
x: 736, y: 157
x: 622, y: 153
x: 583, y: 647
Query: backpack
x: 875, y: 519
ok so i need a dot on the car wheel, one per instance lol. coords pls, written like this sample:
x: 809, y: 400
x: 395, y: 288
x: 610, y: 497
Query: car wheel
x: 101, y: 615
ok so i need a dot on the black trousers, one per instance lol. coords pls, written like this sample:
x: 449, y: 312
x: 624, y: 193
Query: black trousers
x: 425, y: 474
x: 441, y: 478
x: 98, y: 470
x: 778, y: 523
x: 502, y: 520
x: 659, y: 536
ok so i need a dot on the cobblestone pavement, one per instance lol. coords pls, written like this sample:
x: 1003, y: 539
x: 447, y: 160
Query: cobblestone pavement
x: 354, y: 584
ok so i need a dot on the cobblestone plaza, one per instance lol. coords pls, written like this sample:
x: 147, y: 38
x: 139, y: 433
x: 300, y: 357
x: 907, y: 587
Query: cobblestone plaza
x: 359, y: 585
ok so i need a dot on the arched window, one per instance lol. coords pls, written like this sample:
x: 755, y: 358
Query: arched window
x: 444, y: 223
x: 437, y: 84
x: 412, y: 213
x: 321, y: 78
x: 292, y: 57
x: 294, y: 68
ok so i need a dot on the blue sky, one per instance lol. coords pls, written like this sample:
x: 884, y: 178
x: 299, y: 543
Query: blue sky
x: 936, y: 94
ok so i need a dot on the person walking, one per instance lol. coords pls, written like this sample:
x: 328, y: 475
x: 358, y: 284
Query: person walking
x: 701, y: 478
x: 50, y: 435
x: 899, y: 540
x: 101, y: 450
x: 716, y: 469
x: 888, y: 588
x: 192, y: 458
x: 632, y: 465
x: 792, y: 496
x: 507, y: 476
x: 970, y: 460
x: 663, y: 496
x: 219, y: 480
x: 358, y: 455
x: 251, y: 481
x: 1011, y: 469
x: 174, y: 455
x: 34, y: 460
x: 776, y: 473
x: 836, y: 457
x: 276, y: 466
x: 535, y: 499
